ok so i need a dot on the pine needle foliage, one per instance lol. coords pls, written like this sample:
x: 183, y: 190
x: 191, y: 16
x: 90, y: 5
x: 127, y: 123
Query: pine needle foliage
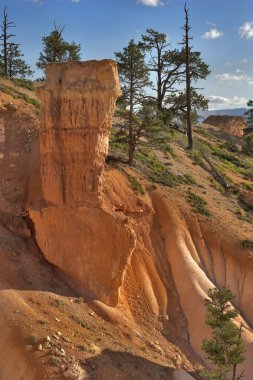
x: 225, y: 348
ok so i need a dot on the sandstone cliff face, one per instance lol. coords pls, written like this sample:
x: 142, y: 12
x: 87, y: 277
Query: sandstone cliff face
x: 78, y: 101
x: 179, y: 255
x: 231, y: 124
x: 18, y: 143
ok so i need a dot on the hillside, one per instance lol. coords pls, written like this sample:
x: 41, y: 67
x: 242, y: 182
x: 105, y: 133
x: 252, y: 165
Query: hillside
x: 167, y: 231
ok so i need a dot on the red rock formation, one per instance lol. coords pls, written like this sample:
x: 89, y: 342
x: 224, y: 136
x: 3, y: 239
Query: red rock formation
x: 231, y: 124
x: 78, y: 101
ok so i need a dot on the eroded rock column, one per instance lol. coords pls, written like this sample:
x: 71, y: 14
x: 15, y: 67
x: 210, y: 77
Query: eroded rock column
x: 78, y: 101
x: 73, y: 230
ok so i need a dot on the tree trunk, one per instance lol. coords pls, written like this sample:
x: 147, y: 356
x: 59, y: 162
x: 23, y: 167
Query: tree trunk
x: 131, y: 151
x: 188, y: 81
x: 5, y: 44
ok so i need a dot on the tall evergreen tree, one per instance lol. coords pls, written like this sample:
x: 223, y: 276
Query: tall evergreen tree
x: 16, y: 65
x: 5, y: 37
x: 165, y: 63
x: 12, y: 64
x: 195, y: 69
x: 56, y: 49
x: 225, y: 348
x: 134, y: 77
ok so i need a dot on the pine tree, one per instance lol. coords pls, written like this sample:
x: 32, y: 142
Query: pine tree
x: 225, y: 349
x: 12, y: 65
x: 5, y: 37
x: 195, y: 69
x: 56, y: 49
x: 16, y: 65
x: 134, y: 78
x: 164, y: 62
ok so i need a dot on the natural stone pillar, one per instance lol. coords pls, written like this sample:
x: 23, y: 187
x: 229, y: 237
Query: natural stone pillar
x: 88, y: 243
x: 78, y: 101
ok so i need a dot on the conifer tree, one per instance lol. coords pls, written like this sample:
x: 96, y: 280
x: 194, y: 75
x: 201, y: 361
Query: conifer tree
x: 56, y: 49
x: 164, y: 62
x: 195, y: 69
x: 225, y: 348
x: 134, y: 77
x: 11, y: 62
x: 16, y: 65
x: 5, y: 37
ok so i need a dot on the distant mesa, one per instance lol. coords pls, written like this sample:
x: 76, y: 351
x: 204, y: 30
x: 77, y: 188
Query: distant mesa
x: 235, y: 125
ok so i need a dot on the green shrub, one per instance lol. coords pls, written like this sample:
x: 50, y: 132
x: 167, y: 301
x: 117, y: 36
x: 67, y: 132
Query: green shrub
x: 55, y: 361
x: 137, y: 187
x: 157, y: 171
x: 187, y: 179
x: 33, y: 339
x: 198, y: 204
x: 230, y: 146
x: 25, y: 83
x: 196, y: 157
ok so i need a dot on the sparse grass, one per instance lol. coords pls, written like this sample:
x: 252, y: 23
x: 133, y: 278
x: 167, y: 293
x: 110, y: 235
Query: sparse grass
x: 25, y: 83
x: 137, y: 186
x: 247, y: 185
x: 196, y: 157
x: 244, y: 216
x: 188, y: 179
x: 247, y: 243
x: 59, y: 303
x: 198, y: 204
x: 155, y: 169
x: 203, y: 132
x: 79, y: 321
x: 216, y: 185
x: 19, y: 95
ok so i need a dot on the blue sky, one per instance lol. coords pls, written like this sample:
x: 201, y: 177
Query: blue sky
x: 222, y: 31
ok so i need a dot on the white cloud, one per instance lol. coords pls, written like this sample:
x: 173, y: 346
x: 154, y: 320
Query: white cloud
x: 150, y: 3
x: 238, y: 71
x: 246, y: 30
x: 75, y: 1
x: 212, y: 34
x: 244, y: 60
x: 217, y: 102
x: 232, y: 77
